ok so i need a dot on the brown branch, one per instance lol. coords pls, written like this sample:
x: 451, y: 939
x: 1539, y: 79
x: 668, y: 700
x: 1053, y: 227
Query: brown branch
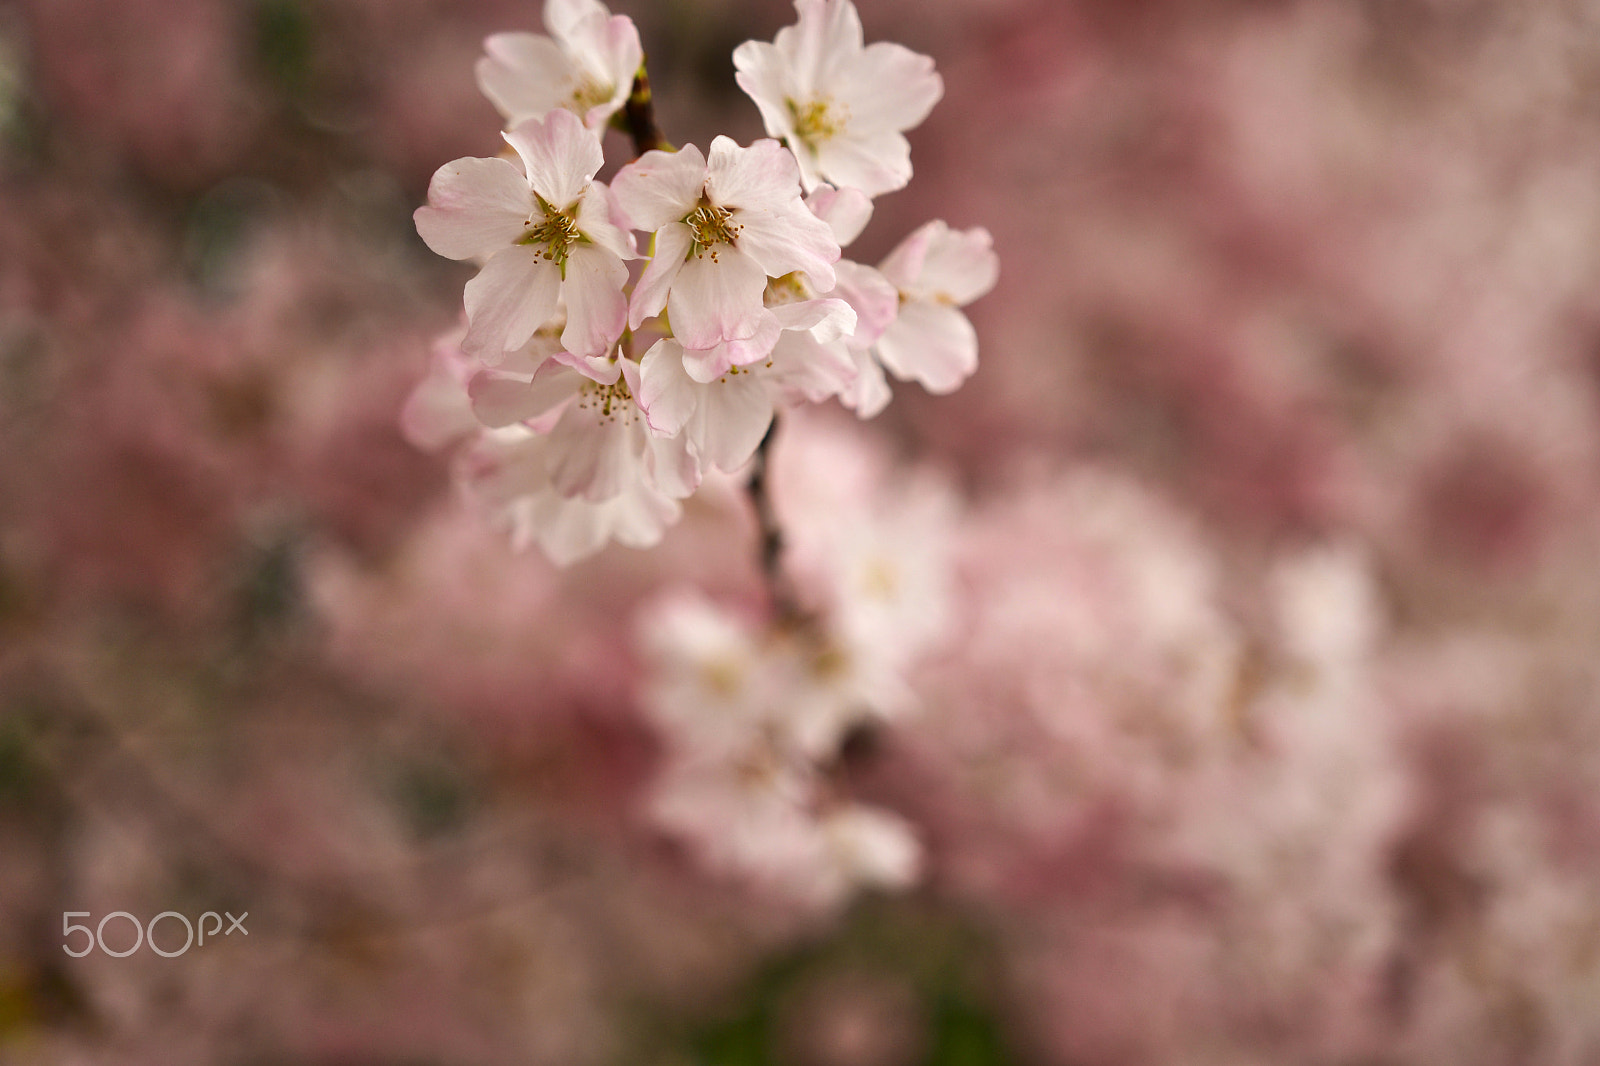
x: 769, y: 550
x: 639, y: 117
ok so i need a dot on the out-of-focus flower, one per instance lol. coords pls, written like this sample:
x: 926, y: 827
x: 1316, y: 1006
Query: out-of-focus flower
x: 585, y: 66
x: 546, y: 235
x: 841, y: 107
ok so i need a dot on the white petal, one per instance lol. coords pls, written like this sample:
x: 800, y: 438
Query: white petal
x: 869, y: 393
x: 592, y: 454
x: 560, y: 155
x: 715, y: 300
x: 763, y: 73
x: 565, y: 18
x: 597, y: 310
x: 826, y: 38
x: 803, y: 369
x: 903, y: 265
x: 711, y: 363
x: 846, y: 211
x: 500, y: 399
x: 524, y: 74
x: 874, y: 162
x: 875, y: 301
x: 826, y: 320
x: 660, y: 187
x: 667, y: 258
x: 438, y: 410
x: 791, y: 240
x: 888, y: 87
x: 731, y: 418
x: 512, y: 296
x: 930, y: 343
x: 475, y: 208
x: 596, y: 221
x: 673, y: 466
x: 960, y: 266
x: 761, y: 177
x: 666, y: 392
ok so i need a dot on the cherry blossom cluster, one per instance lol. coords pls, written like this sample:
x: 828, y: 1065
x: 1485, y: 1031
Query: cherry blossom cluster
x: 756, y: 714
x: 604, y: 374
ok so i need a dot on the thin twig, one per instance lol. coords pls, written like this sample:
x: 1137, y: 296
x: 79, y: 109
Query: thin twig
x: 769, y: 549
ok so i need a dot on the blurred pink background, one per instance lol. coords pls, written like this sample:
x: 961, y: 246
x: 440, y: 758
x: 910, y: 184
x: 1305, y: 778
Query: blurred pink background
x: 1266, y: 728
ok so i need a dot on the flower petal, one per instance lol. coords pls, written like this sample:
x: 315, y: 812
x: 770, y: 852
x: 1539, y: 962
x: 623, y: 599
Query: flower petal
x: 869, y: 393
x: 846, y: 211
x: 763, y: 73
x: 730, y: 419
x: 826, y: 319
x: 660, y: 187
x: 666, y: 392
x: 790, y: 240
x: 593, y: 454
x: 597, y: 310
x: 560, y: 155
x: 596, y: 221
x: 826, y: 37
x: 874, y: 162
x: 875, y: 301
x: 803, y: 369
x: 888, y: 87
x: 930, y: 343
x: 523, y: 74
x: 475, y: 208
x: 513, y: 295
x: 666, y: 260
x: 761, y: 177
x: 960, y: 266
x: 716, y: 300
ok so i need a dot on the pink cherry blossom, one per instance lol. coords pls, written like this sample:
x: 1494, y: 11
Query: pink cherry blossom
x: 937, y: 271
x: 545, y: 235
x: 724, y: 224
x: 586, y: 65
x: 841, y: 107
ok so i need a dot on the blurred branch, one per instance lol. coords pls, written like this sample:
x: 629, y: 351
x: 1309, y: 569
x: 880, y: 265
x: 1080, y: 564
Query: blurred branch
x: 639, y: 117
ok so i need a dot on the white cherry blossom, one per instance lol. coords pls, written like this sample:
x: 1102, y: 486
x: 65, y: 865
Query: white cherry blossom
x: 586, y: 65
x: 545, y: 235
x: 724, y: 223
x: 937, y: 271
x: 841, y: 107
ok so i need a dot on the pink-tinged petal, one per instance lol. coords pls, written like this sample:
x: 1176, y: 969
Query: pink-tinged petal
x: 565, y: 18
x: 597, y: 310
x: 673, y: 466
x: 665, y: 391
x: 601, y: 369
x: 903, y: 266
x: 826, y: 320
x: 788, y: 241
x: 875, y: 301
x: 716, y: 300
x: 806, y: 158
x: 475, y: 208
x: 763, y: 73
x: 544, y: 344
x: 846, y: 211
x: 497, y: 471
x: 803, y: 369
x: 827, y: 36
x: 560, y: 155
x: 606, y: 53
x: 523, y: 74
x: 709, y: 364
x: 639, y: 517
x: 513, y: 295
x: 438, y: 411
x: 960, y: 266
x: 732, y: 416
x: 888, y: 87
x: 650, y: 293
x: 594, y: 455
x: 596, y: 221
x: 761, y: 177
x: 932, y: 344
x: 659, y: 187
x: 500, y: 399
x: 869, y: 393
x: 874, y: 162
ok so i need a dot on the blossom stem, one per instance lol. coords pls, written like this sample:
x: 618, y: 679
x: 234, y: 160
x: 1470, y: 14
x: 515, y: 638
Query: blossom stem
x: 769, y: 552
x: 639, y: 117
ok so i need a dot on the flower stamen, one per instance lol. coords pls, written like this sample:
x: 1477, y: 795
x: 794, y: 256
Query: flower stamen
x: 709, y: 226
